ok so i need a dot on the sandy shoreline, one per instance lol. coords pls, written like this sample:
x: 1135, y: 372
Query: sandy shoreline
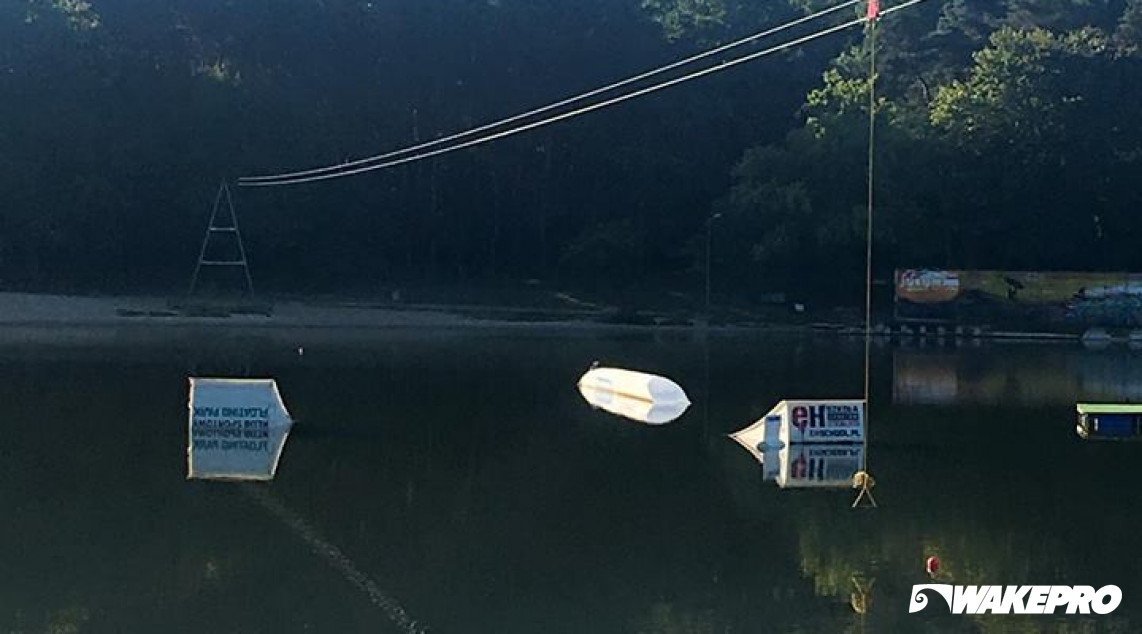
x: 45, y: 318
x: 42, y: 318
x: 34, y: 310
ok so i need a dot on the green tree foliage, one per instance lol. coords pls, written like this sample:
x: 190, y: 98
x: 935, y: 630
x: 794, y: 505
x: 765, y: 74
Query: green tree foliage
x: 1128, y: 34
x: 1019, y: 156
x: 118, y: 120
x: 1006, y: 137
x: 78, y: 15
x: 679, y: 17
x: 1018, y: 92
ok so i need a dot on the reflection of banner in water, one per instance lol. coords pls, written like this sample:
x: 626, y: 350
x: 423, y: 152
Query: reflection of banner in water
x: 924, y: 378
x: 1023, y: 375
x: 818, y: 466
x: 1080, y: 298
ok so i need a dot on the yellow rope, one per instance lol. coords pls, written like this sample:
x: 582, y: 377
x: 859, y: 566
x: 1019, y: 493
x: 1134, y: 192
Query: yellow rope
x: 866, y: 480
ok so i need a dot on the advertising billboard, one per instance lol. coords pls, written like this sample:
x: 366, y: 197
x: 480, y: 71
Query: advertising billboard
x: 1035, y: 297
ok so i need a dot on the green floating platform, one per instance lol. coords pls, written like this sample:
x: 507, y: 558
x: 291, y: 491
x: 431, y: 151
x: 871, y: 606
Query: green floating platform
x: 1109, y: 421
x: 1109, y: 408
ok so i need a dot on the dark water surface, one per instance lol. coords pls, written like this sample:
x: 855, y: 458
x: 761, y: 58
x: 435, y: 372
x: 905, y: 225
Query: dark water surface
x: 458, y: 480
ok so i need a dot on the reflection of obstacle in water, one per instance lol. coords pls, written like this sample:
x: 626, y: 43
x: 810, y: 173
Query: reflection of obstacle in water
x: 861, y: 596
x: 646, y: 398
x: 811, y: 466
x: 340, y: 562
x: 818, y: 466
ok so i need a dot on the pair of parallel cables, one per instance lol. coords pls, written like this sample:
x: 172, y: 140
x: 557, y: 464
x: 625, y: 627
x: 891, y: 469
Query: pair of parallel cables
x: 523, y: 122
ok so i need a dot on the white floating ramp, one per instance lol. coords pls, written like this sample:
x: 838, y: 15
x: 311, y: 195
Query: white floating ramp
x: 647, y: 398
x: 762, y: 438
x: 237, y: 429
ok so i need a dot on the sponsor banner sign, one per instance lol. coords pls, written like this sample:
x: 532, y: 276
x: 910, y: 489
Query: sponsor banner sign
x: 236, y: 429
x: 1111, y: 299
x: 927, y: 287
x: 820, y: 421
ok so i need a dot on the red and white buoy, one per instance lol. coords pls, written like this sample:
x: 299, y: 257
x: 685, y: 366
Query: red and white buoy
x: 932, y: 565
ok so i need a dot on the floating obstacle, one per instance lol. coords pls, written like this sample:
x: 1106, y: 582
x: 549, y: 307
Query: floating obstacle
x: 1109, y: 421
x: 237, y: 429
x: 796, y: 422
x: 808, y: 444
x: 762, y: 438
x: 646, y: 398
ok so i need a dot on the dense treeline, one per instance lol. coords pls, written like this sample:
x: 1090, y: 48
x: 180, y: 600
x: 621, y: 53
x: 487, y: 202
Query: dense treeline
x: 1009, y: 138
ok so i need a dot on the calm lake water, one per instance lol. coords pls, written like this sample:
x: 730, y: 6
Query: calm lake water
x: 457, y: 479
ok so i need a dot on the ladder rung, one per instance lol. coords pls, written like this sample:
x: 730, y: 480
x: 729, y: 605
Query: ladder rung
x: 223, y: 263
x: 224, y: 229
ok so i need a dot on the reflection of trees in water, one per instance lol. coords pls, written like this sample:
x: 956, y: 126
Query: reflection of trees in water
x: 1020, y: 373
x: 1116, y: 311
x: 667, y: 618
x: 1061, y: 528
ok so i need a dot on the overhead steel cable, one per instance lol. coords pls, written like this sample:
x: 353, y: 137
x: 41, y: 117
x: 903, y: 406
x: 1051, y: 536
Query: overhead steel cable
x: 558, y: 104
x: 573, y: 113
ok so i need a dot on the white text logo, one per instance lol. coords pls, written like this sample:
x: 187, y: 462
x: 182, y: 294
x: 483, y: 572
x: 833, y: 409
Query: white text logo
x: 1019, y: 599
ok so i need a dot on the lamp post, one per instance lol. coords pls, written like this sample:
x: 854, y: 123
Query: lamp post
x: 709, y: 244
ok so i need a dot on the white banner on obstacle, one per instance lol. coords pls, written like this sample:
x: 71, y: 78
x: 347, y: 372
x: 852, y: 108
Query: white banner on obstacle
x: 237, y: 429
x: 799, y: 422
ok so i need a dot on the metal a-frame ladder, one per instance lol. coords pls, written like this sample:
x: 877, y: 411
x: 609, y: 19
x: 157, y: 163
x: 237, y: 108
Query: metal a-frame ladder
x: 214, y: 228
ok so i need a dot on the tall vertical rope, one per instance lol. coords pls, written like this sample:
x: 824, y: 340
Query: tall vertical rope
x: 868, y: 234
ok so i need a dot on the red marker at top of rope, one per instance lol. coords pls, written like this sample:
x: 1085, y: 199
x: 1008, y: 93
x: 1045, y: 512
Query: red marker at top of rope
x: 873, y: 10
